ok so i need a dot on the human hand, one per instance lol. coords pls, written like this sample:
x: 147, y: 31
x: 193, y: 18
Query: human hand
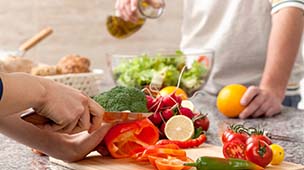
x: 77, y: 146
x: 260, y: 102
x: 69, y: 109
x: 127, y: 10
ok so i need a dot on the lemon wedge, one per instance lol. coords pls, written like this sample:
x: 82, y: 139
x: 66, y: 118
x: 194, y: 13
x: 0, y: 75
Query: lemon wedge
x: 188, y: 104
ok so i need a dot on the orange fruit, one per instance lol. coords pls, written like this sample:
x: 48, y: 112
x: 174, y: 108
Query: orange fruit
x: 170, y: 89
x: 229, y: 100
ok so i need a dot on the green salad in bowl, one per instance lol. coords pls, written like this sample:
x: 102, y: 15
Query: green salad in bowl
x: 163, y: 69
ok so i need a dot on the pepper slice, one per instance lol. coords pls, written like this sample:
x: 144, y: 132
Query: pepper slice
x: 170, y: 163
x: 122, y: 139
x: 185, y: 144
x: 160, y: 151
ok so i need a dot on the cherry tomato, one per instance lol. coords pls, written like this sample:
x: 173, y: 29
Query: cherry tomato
x: 203, y: 59
x: 234, y: 149
x: 202, y: 122
x: 259, y: 152
x: 230, y: 135
x: 278, y: 154
x: 258, y: 137
x: 238, y: 136
x: 226, y: 134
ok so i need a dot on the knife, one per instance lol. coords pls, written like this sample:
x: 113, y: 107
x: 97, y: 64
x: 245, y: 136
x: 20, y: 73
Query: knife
x: 282, y: 138
x: 109, y: 117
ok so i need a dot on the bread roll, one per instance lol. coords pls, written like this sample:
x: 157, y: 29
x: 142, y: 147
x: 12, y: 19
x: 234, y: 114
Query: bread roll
x: 16, y: 64
x: 45, y: 70
x: 74, y: 64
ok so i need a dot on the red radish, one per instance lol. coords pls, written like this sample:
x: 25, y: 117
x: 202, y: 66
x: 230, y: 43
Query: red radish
x: 157, y: 104
x: 201, y: 121
x: 155, y: 118
x: 162, y: 130
x: 167, y: 114
x: 178, y: 99
x: 150, y: 100
x: 169, y: 100
x: 186, y: 112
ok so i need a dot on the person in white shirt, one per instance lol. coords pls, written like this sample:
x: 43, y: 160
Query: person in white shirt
x: 256, y: 43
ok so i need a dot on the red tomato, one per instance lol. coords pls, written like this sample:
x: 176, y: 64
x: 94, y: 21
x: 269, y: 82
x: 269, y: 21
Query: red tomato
x: 258, y: 137
x: 202, y: 122
x: 230, y: 135
x: 238, y: 136
x: 259, y: 152
x: 234, y: 149
x: 226, y: 134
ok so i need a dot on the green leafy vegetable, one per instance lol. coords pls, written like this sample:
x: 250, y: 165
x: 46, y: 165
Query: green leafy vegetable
x: 139, y: 71
x: 122, y: 98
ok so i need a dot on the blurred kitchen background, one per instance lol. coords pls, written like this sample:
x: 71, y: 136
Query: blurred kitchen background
x: 79, y: 28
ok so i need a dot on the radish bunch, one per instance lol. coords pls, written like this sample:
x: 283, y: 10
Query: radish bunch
x: 164, y: 107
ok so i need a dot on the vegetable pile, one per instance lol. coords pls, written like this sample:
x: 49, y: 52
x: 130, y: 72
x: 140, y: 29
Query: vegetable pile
x: 247, y: 144
x: 166, y: 107
x: 141, y: 71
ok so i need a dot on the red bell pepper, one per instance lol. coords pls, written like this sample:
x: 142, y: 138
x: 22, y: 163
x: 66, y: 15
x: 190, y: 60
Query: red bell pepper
x: 159, y: 151
x: 122, y: 139
x: 185, y: 144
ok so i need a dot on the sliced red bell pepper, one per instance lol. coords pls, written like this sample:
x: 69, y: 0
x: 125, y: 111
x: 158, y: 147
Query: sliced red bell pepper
x: 170, y: 163
x: 160, y: 151
x: 185, y: 144
x: 122, y: 139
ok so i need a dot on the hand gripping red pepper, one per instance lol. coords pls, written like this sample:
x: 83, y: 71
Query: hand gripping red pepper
x: 122, y: 139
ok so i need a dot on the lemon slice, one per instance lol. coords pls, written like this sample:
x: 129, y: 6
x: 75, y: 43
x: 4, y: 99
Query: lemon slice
x: 188, y: 104
x: 180, y: 128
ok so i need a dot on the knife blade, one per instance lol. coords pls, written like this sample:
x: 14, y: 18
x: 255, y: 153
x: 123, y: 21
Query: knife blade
x: 109, y: 117
x: 282, y: 138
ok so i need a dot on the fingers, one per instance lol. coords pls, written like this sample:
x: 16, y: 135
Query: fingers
x: 127, y: 10
x: 259, y: 103
x: 248, y: 96
x: 133, y: 5
x: 96, y: 115
x: 83, y: 122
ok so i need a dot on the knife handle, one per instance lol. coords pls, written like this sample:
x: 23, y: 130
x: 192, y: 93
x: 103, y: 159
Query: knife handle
x: 36, y: 119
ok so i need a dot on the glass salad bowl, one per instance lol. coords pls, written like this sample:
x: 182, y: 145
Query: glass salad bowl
x: 187, y: 70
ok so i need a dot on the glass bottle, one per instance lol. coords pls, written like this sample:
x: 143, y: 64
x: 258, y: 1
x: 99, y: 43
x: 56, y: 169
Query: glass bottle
x: 120, y: 28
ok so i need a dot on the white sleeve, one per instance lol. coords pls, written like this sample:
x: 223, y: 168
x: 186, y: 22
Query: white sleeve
x: 280, y: 4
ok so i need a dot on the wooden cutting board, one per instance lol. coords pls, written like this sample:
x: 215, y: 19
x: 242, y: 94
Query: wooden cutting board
x: 95, y: 162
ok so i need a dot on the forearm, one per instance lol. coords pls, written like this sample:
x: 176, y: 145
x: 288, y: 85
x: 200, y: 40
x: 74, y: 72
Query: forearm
x: 20, y: 91
x: 284, y: 41
x: 58, y: 145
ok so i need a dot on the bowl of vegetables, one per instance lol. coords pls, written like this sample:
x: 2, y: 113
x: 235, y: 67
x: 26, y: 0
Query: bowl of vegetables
x: 188, y: 70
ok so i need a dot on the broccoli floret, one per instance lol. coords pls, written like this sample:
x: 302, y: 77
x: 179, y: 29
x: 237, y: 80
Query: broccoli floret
x: 122, y: 98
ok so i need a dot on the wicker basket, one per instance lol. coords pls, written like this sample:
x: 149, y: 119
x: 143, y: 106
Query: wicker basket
x: 89, y: 83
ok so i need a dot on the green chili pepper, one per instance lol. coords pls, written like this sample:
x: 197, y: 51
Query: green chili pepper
x: 215, y: 163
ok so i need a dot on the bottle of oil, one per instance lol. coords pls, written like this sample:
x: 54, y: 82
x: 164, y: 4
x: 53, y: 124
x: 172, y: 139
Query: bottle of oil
x: 120, y: 28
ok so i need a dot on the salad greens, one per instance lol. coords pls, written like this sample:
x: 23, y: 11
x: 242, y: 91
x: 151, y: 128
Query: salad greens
x: 139, y: 71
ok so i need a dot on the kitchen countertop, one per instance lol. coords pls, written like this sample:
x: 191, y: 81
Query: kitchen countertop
x: 289, y: 122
